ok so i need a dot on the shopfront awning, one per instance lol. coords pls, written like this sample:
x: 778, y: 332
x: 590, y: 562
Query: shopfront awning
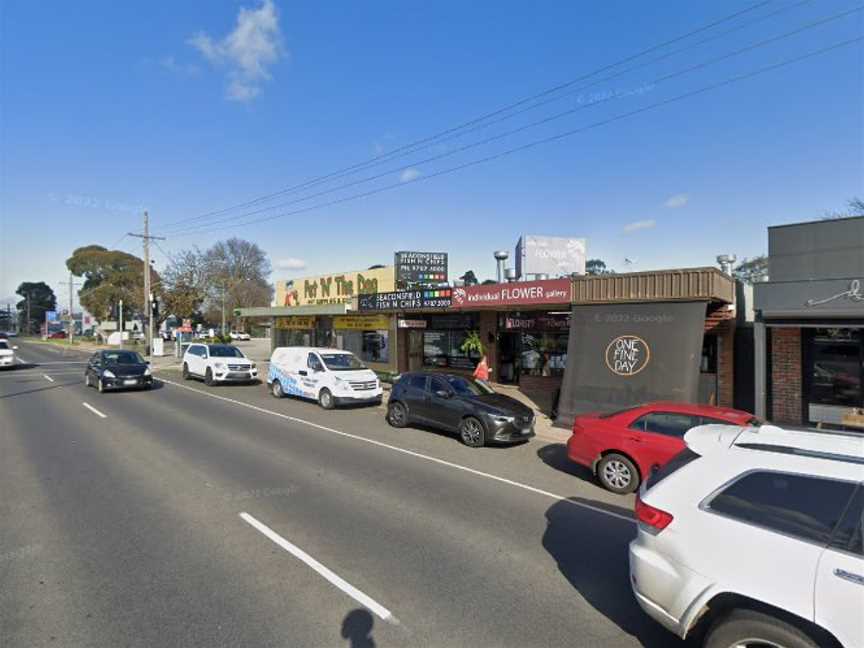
x: 291, y: 311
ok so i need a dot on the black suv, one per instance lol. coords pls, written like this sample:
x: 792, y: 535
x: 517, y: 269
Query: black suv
x: 458, y: 404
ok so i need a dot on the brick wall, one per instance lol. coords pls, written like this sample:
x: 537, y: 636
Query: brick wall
x: 786, y: 372
x: 726, y: 366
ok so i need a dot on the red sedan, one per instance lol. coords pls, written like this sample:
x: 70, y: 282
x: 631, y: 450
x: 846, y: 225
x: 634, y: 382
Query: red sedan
x: 623, y: 447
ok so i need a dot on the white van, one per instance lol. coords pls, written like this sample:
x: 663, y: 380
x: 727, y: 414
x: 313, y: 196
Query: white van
x: 330, y: 376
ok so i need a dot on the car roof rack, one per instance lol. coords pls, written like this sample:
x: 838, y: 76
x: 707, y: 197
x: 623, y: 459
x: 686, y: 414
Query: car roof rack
x: 801, y: 452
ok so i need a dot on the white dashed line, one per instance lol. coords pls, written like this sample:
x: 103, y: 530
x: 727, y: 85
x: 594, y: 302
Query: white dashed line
x: 94, y: 410
x: 412, y: 453
x: 48, y: 378
x: 366, y: 601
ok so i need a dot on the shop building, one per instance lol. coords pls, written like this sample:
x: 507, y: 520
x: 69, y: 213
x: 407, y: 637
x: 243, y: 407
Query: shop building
x: 808, y: 337
x: 649, y: 336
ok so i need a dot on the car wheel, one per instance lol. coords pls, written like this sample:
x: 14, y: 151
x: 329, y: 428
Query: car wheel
x: 100, y: 386
x: 185, y: 371
x: 276, y: 389
x: 208, y: 377
x: 618, y: 474
x: 397, y: 415
x: 749, y: 629
x: 471, y: 432
x: 325, y: 399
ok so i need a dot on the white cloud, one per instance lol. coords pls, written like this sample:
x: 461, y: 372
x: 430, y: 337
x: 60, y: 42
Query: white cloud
x: 640, y: 225
x: 291, y: 264
x: 247, y: 52
x: 181, y: 69
x: 678, y: 200
x: 409, y: 174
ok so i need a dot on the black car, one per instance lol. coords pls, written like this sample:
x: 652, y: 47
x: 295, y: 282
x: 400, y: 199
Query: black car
x: 462, y: 405
x: 118, y: 370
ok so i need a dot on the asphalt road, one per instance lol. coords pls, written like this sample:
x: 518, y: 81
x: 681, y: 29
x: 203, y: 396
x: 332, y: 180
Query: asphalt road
x: 196, y: 516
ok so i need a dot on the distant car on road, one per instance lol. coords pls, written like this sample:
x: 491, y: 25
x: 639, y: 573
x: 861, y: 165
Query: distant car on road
x: 218, y: 363
x: 240, y: 336
x: 113, y: 370
x: 7, y: 354
x: 623, y: 447
x: 752, y: 537
x: 457, y: 404
x: 329, y: 376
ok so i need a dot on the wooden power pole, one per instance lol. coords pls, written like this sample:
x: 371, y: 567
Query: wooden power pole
x: 148, y: 312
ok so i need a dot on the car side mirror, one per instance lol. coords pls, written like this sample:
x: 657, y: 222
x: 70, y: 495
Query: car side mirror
x: 303, y: 372
x: 441, y: 393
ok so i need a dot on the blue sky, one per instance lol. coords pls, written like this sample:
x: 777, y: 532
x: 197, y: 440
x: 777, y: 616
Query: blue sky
x: 185, y: 108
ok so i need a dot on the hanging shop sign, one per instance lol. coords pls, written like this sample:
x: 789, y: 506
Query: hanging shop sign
x: 521, y: 293
x: 551, y: 255
x: 411, y: 324
x: 361, y: 322
x: 337, y: 288
x: 406, y: 300
x: 296, y: 322
x: 421, y: 267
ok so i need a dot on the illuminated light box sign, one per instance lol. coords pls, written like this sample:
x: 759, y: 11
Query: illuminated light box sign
x: 421, y: 267
x: 432, y: 299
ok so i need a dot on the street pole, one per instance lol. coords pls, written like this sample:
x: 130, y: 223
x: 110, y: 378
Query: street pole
x: 120, y: 316
x: 223, y: 308
x: 71, y: 311
x: 145, y: 237
x: 29, y: 324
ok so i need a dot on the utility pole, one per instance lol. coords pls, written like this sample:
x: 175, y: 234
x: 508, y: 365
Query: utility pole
x: 120, y: 322
x: 148, y: 313
x: 29, y: 324
x: 223, y: 308
x: 71, y: 308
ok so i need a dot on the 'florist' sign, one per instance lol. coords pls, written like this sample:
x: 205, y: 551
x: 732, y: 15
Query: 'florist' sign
x: 520, y: 293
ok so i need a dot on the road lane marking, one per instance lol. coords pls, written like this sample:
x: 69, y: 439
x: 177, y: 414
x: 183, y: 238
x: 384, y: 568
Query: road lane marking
x: 48, y: 378
x: 94, y: 410
x: 411, y: 453
x: 21, y: 360
x: 366, y: 601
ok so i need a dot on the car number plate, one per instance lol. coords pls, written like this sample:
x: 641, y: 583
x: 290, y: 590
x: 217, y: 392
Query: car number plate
x: 133, y: 381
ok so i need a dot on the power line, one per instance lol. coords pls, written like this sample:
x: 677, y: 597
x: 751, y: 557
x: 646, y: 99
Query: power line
x: 411, y: 147
x: 545, y: 120
x: 547, y: 140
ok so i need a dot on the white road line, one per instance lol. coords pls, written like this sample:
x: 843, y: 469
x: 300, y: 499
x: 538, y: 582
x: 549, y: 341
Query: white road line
x: 48, y: 378
x: 21, y: 360
x: 94, y: 410
x: 412, y: 453
x: 366, y: 601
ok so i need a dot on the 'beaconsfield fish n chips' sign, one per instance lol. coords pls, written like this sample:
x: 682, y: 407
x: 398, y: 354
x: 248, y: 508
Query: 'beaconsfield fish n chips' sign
x: 521, y: 293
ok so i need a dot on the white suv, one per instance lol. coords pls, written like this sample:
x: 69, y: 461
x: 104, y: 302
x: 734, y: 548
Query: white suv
x: 753, y: 537
x: 217, y: 363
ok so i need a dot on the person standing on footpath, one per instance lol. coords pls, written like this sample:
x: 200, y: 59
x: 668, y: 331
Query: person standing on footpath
x: 481, y: 373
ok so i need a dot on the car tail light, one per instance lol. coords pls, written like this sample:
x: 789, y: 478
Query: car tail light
x: 654, y: 518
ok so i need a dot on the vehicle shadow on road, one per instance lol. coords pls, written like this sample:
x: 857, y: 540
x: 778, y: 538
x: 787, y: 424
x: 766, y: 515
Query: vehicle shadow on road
x: 591, y: 552
x: 357, y: 629
x: 554, y: 455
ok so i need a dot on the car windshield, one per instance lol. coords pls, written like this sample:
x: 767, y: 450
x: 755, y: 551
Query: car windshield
x: 465, y: 387
x: 122, y: 357
x: 617, y: 412
x: 341, y: 362
x: 4, y: 344
x: 224, y: 351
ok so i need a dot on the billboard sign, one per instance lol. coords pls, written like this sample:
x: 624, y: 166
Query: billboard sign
x: 50, y: 316
x: 521, y: 293
x: 337, y: 288
x: 421, y: 267
x: 550, y: 255
x: 406, y: 300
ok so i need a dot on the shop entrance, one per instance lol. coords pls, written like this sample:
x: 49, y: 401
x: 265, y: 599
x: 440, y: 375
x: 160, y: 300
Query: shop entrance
x: 415, y: 350
x: 509, y: 348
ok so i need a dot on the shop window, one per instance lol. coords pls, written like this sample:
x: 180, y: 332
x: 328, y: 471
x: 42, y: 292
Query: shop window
x: 543, y: 354
x: 369, y: 346
x: 443, y: 349
x: 834, y: 367
x: 708, y: 363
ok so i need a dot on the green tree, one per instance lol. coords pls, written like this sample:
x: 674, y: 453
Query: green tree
x: 751, y: 271
x: 109, y: 276
x: 41, y: 298
x: 597, y: 267
x: 184, y: 284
